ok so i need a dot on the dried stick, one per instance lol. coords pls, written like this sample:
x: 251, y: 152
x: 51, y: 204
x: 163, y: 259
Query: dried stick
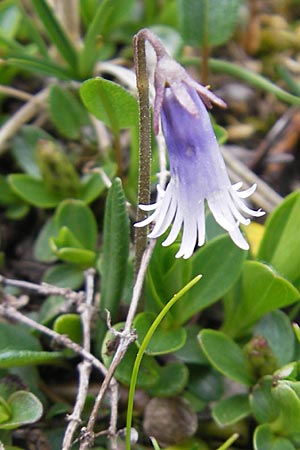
x: 23, y: 115
x: 85, y: 367
x: 127, y: 336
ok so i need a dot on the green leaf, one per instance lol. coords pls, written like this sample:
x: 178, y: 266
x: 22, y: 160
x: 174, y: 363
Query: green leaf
x: 281, y: 242
x: 263, y: 439
x: 191, y: 353
x: 17, y: 358
x: 205, y: 383
x: 79, y: 219
x: 260, y: 291
x: 164, y: 340
x: 276, y: 328
x: 82, y: 257
x: 33, y: 191
x: 10, y: 19
x: 35, y: 65
x: 56, y: 32
x: 42, y: 249
x: 263, y: 404
x: 66, y: 112
x: 5, y: 412
x: 218, y: 275
x: 16, y: 337
x: 110, y: 103
x: 25, y: 408
x: 115, y: 249
x: 70, y: 325
x: 92, y: 185
x: 24, y: 148
x: 287, y: 422
x: 172, y: 381
x: 149, y: 371
x: 226, y: 356
x: 232, y: 409
x: 64, y: 275
x: 207, y: 23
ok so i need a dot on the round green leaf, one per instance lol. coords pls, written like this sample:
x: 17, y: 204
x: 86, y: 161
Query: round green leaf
x: 110, y: 103
x: 82, y: 257
x: 78, y: 217
x: 172, y: 381
x: 33, y: 191
x: 164, y: 340
x: 25, y: 408
x: 281, y: 242
x: 226, y: 356
x: 232, y: 409
x: 69, y: 324
x: 262, y: 291
x: 263, y: 439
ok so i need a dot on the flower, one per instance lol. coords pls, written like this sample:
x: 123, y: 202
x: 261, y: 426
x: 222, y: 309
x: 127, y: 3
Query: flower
x: 198, y: 171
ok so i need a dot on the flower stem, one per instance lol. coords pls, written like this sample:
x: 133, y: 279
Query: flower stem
x: 144, y: 144
x: 142, y: 349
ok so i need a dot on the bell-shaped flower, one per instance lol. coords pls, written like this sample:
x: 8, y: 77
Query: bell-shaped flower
x: 198, y: 171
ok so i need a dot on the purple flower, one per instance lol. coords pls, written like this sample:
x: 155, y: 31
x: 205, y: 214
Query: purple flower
x: 198, y: 172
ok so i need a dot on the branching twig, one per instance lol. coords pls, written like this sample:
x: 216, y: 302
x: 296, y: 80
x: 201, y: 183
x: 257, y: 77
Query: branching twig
x: 84, y: 367
x: 127, y: 336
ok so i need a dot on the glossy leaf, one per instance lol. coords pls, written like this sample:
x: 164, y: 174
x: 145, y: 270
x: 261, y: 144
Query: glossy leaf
x: 226, y: 356
x: 33, y: 191
x: 287, y: 422
x: 218, y: 275
x: 277, y: 329
x: 231, y: 409
x: 172, y: 381
x: 164, y: 340
x: 13, y: 358
x: 25, y: 408
x: 79, y: 219
x: 263, y: 405
x: 260, y: 291
x: 203, y: 23
x: 113, y: 264
x: 66, y: 112
x: 264, y: 439
x: 281, y: 242
x: 149, y: 371
x: 110, y: 103
x: 70, y: 325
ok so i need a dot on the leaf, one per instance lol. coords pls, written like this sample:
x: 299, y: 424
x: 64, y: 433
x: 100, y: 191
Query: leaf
x: 79, y: 219
x: 92, y: 185
x: 205, y: 383
x: 42, y: 249
x: 287, y: 422
x: 24, y: 148
x: 33, y: 191
x: 263, y: 439
x: 5, y: 412
x: 10, y: 18
x: 164, y: 340
x: 263, y: 405
x: 16, y: 337
x: 281, y: 242
x: 25, y: 408
x: 64, y: 275
x: 191, y: 353
x: 226, y: 356
x: 218, y: 275
x: 18, y: 358
x: 172, y: 381
x: 70, y: 325
x: 276, y: 328
x: 149, y: 370
x: 56, y: 32
x: 115, y: 249
x: 207, y: 23
x: 35, y: 65
x: 261, y: 291
x: 232, y: 409
x: 67, y: 114
x: 110, y: 103
x: 82, y: 257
